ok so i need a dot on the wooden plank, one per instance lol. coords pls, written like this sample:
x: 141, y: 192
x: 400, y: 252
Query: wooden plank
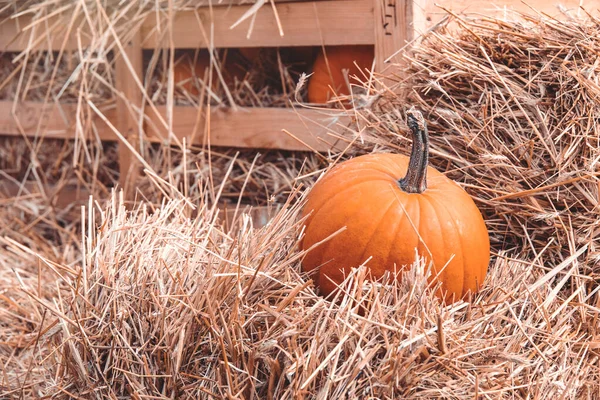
x: 255, y: 128
x: 304, y: 24
x: 128, y: 66
x: 420, y: 20
x: 393, y: 31
x: 58, y: 120
x: 245, y: 128
x: 62, y: 196
x: 506, y: 8
x: 15, y: 38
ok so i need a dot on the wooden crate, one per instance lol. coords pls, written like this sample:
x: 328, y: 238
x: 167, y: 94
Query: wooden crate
x: 388, y: 25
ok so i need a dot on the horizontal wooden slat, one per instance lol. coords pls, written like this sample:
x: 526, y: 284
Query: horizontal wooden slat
x: 244, y: 128
x: 255, y: 128
x: 304, y: 24
x: 502, y: 8
x: 58, y: 120
x: 46, y: 35
x: 62, y: 196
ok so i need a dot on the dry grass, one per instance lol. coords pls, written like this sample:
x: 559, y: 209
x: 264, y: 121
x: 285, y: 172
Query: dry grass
x: 161, y: 301
x: 162, y: 305
x: 512, y: 110
x: 86, y: 78
x: 252, y: 177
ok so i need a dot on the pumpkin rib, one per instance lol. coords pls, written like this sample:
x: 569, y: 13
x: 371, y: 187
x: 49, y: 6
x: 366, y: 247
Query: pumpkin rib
x: 396, y: 229
x: 407, y: 216
x: 427, y: 199
x: 435, y: 205
x: 325, y: 246
x: 418, y: 224
x: 479, y: 273
x: 407, y: 212
x: 461, y: 246
x: 377, y: 225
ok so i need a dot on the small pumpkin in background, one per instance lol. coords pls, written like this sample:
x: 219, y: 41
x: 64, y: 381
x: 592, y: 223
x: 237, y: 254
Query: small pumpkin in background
x: 390, y: 205
x: 251, y: 54
x: 341, y: 60
x: 188, y: 69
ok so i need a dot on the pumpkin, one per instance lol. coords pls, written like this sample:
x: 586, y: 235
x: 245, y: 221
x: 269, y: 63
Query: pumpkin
x: 340, y: 59
x: 392, y: 207
x: 251, y: 54
x: 186, y: 72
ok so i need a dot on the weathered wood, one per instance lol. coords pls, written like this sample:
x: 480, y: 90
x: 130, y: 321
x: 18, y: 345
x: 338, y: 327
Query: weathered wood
x: 60, y: 196
x: 58, y: 120
x: 304, y: 24
x: 420, y: 19
x: 129, y: 66
x: 18, y: 34
x: 247, y: 127
x: 255, y: 128
x: 504, y: 8
x: 393, y: 31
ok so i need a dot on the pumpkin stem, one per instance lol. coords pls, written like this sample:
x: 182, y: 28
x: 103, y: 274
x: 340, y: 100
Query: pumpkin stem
x: 415, y: 180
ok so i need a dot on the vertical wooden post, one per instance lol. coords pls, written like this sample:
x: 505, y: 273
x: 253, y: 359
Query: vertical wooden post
x: 397, y: 23
x: 128, y: 121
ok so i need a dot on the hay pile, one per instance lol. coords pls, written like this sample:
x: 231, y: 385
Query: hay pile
x: 162, y: 302
x: 513, y: 115
x: 163, y: 305
x: 249, y: 176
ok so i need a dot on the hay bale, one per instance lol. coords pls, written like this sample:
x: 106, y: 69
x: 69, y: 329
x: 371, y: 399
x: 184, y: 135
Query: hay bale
x: 164, y: 305
x: 512, y: 109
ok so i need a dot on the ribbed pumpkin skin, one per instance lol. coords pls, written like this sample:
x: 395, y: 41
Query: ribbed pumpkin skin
x: 388, y: 224
x: 340, y: 58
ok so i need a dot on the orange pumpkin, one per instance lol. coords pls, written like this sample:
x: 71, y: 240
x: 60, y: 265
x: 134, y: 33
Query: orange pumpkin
x: 339, y: 58
x: 186, y: 72
x: 391, y: 205
x: 251, y: 54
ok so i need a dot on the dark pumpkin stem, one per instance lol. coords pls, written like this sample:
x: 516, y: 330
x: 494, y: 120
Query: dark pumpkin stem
x: 415, y: 180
